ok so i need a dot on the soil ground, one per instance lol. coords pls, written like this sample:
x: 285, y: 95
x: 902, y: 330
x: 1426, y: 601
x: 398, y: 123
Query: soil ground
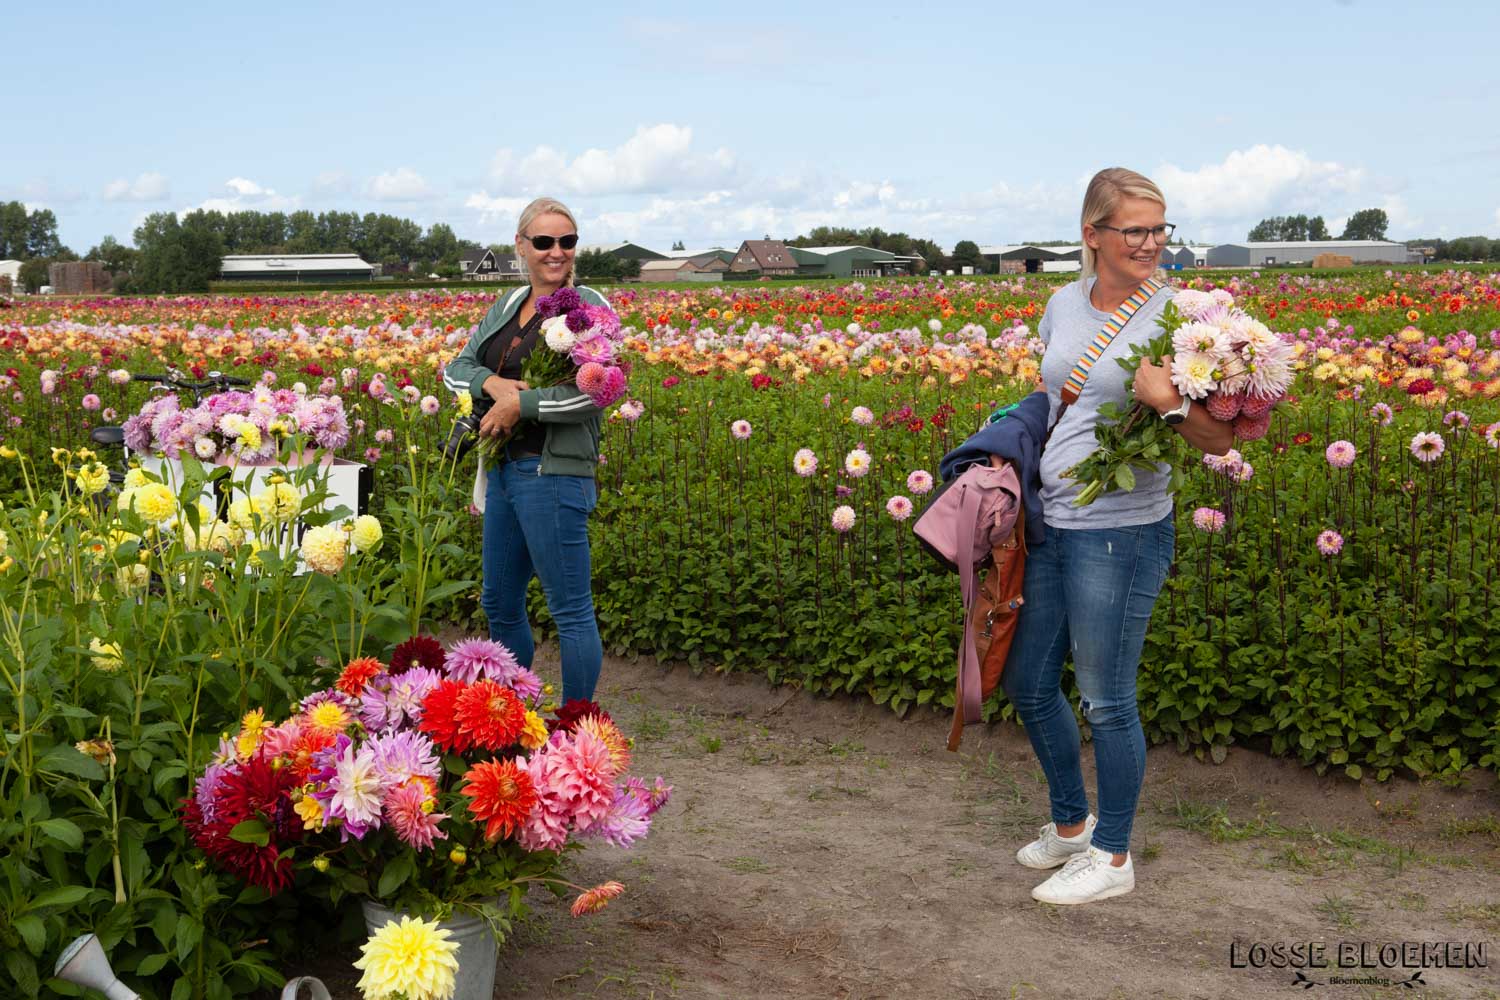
x: 826, y: 848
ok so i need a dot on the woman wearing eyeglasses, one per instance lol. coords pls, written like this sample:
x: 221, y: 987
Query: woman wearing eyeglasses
x: 537, y: 499
x: 1091, y: 585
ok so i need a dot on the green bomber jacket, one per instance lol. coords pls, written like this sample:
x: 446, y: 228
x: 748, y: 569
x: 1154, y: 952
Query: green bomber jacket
x: 572, y: 420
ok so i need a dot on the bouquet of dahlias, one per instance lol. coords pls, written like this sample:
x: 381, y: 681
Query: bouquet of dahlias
x: 1221, y: 357
x: 427, y: 782
x: 582, y: 343
x: 246, y: 425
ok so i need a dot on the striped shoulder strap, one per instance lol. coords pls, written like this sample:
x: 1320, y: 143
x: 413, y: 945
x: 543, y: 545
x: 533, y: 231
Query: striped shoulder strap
x: 1116, y: 322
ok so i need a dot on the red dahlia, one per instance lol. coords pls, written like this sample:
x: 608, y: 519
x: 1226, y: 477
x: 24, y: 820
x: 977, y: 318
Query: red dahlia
x: 439, y: 719
x: 418, y: 651
x: 490, y: 715
x: 357, y: 674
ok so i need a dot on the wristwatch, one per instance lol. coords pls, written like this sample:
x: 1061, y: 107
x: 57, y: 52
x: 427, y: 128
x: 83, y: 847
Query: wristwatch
x: 1177, y: 416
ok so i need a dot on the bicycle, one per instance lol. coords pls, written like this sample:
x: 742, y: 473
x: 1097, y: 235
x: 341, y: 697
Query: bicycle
x: 111, y: 436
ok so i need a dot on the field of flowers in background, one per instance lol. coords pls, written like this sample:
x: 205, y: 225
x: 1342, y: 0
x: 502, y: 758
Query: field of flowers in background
x: 1332, y: 597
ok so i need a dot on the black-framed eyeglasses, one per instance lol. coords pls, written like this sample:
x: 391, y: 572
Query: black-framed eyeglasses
x: 1135, y: 236
x: 544, y: 243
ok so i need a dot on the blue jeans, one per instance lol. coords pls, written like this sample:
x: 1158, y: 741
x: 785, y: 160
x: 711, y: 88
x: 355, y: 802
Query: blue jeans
x: 536, y: 525
x: 1089, y: 594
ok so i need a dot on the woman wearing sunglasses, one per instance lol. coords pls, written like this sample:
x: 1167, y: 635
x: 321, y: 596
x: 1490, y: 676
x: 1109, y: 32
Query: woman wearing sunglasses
x: 1091, y: 585
x: 537, y: 498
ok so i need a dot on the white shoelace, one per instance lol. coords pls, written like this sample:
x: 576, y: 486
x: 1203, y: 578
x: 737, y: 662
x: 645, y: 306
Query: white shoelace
x: 1077, y: 866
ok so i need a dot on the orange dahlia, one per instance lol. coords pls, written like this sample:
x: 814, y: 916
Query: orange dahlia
x: 490, y: 715
x: 357, y: 674
x: 503, y: 796
x: 438, y: 716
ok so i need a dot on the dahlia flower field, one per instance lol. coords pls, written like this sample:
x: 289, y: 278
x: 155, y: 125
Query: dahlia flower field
x: 1333, y: 596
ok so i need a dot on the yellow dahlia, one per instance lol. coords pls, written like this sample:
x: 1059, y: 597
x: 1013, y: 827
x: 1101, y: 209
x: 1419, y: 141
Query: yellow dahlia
x: 534, y: 732
x: 323, y: 549
x: 154, y: 502
x: 328, y: 717
x: 367, y: 534
x: 411, y: 957
x: 135, y: 478
x: 310, y: 811
x: 242, y: 513
x: 279, y: 500
x: 252, y: 729
x: 106, y: 655
x: 93, y: 477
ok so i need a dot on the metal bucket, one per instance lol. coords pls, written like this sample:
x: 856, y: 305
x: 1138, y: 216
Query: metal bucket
x: 477, y: 950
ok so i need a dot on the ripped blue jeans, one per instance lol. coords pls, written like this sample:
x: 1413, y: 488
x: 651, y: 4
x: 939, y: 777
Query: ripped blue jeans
x: 1089, y: 595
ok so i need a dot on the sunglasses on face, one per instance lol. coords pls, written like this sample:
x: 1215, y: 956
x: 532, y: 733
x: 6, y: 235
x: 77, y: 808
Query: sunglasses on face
x: 544, y: 243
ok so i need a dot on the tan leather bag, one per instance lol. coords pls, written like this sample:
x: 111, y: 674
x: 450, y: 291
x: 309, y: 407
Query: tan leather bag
x: 991, y: 626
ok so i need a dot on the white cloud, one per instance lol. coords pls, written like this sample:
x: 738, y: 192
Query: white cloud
x: 401, y: 184
x: 246, y: 195
x: 150, y: 186
x: 1256, y: 182
x: 244, y: 188
x: 657, y: 159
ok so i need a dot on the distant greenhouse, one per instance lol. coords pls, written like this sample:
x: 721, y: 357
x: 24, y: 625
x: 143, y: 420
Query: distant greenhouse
x: 310, y: 267
x: 1304, y: 251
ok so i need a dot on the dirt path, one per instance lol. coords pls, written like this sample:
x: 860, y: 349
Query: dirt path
x: 824, y: 848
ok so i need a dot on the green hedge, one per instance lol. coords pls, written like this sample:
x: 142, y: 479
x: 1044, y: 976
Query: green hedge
x: 1382, y: 659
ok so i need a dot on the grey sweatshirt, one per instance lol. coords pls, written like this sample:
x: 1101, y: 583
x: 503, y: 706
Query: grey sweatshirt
x: 1068, y: 325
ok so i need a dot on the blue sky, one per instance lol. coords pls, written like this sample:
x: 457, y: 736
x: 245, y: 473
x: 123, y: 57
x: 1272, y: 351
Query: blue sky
x: 715, y: 122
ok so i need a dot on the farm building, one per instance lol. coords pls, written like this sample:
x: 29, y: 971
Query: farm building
x: 625, y: 251
x: 79, y: 277
x: 1249, y: 254
x: 11, y: 269
x: 311, y: 267
x: 484, y: 264
x: 712, y: 259
x: 1178, y: 258
x: 769, y: 257
x: 675, y: 269
x: 854, y: 262
x: 1030, y: 259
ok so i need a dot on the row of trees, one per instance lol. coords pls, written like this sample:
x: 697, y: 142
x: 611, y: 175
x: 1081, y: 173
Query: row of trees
x: 183, y: 255
x: 1366, y: 224
x: 1461, y: 248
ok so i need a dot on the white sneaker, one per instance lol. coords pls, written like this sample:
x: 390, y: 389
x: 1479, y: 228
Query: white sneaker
x: 1087, y: 877
x: 1049, y: 850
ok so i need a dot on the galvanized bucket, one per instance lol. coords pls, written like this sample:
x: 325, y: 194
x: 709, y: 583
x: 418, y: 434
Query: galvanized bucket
x: 477, y: 950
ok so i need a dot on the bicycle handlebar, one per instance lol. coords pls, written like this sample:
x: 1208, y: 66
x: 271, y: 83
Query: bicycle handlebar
x: 215, y: 379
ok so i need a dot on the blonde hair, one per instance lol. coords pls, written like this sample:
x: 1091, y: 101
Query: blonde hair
x: 1108, y: 188
x: 529, y: 214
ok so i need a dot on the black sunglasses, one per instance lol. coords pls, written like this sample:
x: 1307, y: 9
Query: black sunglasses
x: 567, y: 242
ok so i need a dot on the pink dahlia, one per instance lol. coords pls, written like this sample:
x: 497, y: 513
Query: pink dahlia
x: 1427, y: 446
x: 1251, y: 429
x: 591, y: 377
x: 1225, y: 406
x: 919, y: 482
x: 1330, y: 543
x: 1340, y: 454
x: 898, y: 507
x: 1208, y: 519
x: 405, y: 812
x: 472, y: 659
